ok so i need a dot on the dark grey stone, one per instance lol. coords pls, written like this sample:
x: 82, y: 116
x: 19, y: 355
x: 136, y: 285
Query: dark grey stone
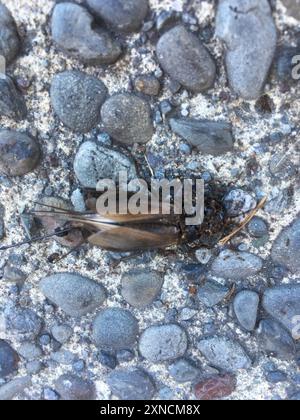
x: 186, y: 60
x: 283, y: 304
x: 107, y: 359
x: 131, y: 385
x: 94, y: 162
x: 116, y: 329
x: 123, y: 15
x: 140, y: 288
x: 209, y: 137
x: 62, y: 333
x: 276, y: 377
x: 238, y: 202
x: 74, y: 294
x: 14, y: 388
x: 147, y: 84
x: 275, y: 340
x: 246, y: 308
x: 127, y: 119
x: 184, y: 370
x: 9, y: 38
x: 286, y: 248
x: 77, y: 99
x: 161, y: 343
x: 258, y: 227
x: 12, y: 103
x: 23, y: 322
x: 73, y: 388
x: 224, y: 353
x: 212, y: 293
x: 8, y: 359
x: 74, y: 31
x: 249, y: 32
x: 19, y: 153
x: 236, y: 265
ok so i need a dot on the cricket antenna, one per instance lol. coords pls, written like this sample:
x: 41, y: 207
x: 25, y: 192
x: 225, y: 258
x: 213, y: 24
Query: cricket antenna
x: 36, y: 239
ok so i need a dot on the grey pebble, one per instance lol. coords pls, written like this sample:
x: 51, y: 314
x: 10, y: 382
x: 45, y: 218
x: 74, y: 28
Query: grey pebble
x: 74, y: 31
x: 127, y: 119
x: 186, y: 314
x: 77, y: 99
x: 209, y: 137
x: 140, y: 288
x: 13, y: 275
x: 212, y: 293
x: 224, y: 353
x: 182, y: 55
x: 50, y: 395
x: 73, y: 388
x: 236, y: 265
x: 12, y: 103
x: 203, y: 255
x: 63, y: 357
x: 78, y: 201
x: 34, y: 367
x: 14, y: 388
x: 62, y: 333
x: 245, y: 307
x: 94, y: 162
x: 275, y: 340
x: 8, y: 359
x: 123, y: 15
x: 238, y: 202
x: 9, y: 39
x: 125, y: 356
x: 74, y: 294
x: 184, y: 370
x: 160, y: 343
x: 283, y: 304
x: 107, y: 359
x: 115, y: 328
x: 249, y: 32
x: 25, y: 323
x: 131, y: 385
x: 257, y: 227
x: 286, y: 248
x: 29, y: 351
x: 19, y: 153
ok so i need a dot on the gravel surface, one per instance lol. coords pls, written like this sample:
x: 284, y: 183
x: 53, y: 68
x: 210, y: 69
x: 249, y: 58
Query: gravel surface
x: 83, y: 103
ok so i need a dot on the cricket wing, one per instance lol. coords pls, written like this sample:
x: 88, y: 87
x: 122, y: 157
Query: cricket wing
x: 129, y: 239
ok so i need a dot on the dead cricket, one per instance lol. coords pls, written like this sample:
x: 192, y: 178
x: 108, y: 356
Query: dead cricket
x: 135, y: 233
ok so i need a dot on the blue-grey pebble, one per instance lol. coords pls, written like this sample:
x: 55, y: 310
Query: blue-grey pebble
x: 283, y: 304
x: 8, y: 359
x: 160, y: 343
x: 74, y: 294
x: 115, y: 328
x: 224, y: 353
x: 236, y: 265
x: 286, y: 248
x: 212, y: 293
x: 249, y: 32
x: 131, y: 384
x: 245, y: 307
x: 184, y: 370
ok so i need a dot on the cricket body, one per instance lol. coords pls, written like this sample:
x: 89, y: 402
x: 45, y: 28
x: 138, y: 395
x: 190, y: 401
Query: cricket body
x: 123, y: 233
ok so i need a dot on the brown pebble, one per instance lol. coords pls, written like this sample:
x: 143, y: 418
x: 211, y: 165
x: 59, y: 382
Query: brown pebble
x: 215, y: 388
